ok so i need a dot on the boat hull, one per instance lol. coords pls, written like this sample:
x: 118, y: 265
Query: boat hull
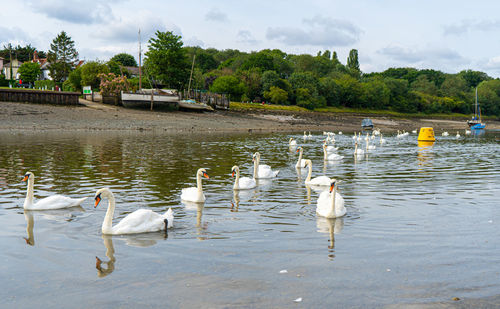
x: 143, y: 100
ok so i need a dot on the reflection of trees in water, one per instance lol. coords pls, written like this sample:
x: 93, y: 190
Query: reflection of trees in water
x: 332, y: 227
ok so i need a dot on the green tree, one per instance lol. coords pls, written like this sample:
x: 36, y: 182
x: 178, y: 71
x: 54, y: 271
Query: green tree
x: 375, y: 94
x: 230, y: 85
x: 124, y: 59
x: 454, y: 86
x: 276, y: 95
x: 166, y: 61
x: 349, y: 91
x: 329, y: 89
x: 29, y: 71
x: 353, y: 63
x: 75, y: 79
x: 422, y: 84
x: 269, y: 79
x: 473, y: 78
x: 62, y: 57
x: 90, y: 73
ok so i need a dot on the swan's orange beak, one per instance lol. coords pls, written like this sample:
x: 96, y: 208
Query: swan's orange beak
x: 232, y: 175
x: 97, y: 200
x: 205, y: 175
x: 331, y: 187
x: 297, y: 150
x: 26, y: 177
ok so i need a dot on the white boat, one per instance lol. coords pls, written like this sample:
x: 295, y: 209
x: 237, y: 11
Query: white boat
x: 151, y: 99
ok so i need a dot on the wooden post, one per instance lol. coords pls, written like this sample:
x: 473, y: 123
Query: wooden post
x: 152, y: 99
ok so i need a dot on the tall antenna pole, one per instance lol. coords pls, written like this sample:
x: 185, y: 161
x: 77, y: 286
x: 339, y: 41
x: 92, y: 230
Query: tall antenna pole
x: 191, y: 76
x: 140, y: 52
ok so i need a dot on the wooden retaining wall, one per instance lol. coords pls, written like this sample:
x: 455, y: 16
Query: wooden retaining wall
x: 39, y: 96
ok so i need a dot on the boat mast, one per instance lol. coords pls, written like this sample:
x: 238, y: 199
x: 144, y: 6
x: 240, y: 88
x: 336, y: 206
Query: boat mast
x: 140, y: 73
x: 191, y: 75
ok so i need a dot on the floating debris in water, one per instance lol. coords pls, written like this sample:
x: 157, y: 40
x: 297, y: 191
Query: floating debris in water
x: 456, y: 298
x: 298, y: 300
x: 284, y: 271
x: 388, y: 269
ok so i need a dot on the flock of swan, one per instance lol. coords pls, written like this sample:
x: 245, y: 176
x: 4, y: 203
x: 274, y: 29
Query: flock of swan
x: 330, y: 203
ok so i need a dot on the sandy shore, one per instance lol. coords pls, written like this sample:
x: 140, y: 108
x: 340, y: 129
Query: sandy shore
x: 96, y: 116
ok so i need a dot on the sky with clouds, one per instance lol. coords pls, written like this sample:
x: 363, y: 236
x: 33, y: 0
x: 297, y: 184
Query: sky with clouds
x: 441, y: 34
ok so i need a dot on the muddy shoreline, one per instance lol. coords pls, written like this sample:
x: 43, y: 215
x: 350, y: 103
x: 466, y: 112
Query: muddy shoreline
x: 91, y: 116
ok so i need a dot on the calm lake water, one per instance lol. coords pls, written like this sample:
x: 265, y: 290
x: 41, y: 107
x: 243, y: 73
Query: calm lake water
x: 422, y: 224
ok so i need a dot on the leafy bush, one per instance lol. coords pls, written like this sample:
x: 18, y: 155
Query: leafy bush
x: 42, y: 84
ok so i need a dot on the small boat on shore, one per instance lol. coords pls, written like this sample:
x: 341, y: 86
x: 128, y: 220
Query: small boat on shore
x: 367, y: 124
x: 193, y: 105
x: 151, y: 98
x: 475, y: 123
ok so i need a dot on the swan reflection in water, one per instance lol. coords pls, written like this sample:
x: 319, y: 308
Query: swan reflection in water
x: 110, y: 253
x: 332, y: 227
x: 65, y: 214
x: 28, y: 215
x: 199, y: 213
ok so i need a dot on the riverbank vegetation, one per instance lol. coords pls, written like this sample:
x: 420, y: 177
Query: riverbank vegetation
x: 313, y: 82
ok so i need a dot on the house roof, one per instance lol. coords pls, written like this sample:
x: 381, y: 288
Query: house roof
x: 132, y: 70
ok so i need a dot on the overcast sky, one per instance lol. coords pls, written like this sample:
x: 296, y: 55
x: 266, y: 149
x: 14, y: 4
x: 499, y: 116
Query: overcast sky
x: 445, y: 35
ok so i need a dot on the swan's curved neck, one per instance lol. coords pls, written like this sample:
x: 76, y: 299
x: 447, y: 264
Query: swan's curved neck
x: 300, y: 156
x: 237, y: 179
x: 356, y: 148
x: 334, y: 193
x: 309, y: 173
x: 29, y: 193
x: 256, y: 167
x: 107, y: 224
x: 199, y: 186
x: 325, y: 154
x: 367, y: 142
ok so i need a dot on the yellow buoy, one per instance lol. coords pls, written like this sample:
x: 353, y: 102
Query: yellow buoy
x: 426, y: 135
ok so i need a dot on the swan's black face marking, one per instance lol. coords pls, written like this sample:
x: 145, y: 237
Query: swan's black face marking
x: 26, y: 177
x: 205, y: 175
x: 97, y: 200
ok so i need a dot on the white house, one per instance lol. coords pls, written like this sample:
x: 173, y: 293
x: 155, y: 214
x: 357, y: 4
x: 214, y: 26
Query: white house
x: 15, y: 66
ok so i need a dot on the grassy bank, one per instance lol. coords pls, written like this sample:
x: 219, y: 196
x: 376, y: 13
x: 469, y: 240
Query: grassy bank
x: 358, y: 111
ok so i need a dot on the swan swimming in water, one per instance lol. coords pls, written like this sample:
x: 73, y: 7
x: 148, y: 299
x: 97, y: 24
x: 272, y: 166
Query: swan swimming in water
x: 195, y: 194
x: 242, y: 183
x: 140, y: 221
x: 358, y: 151
x: 445, y: 133
x: 292, y: 142
x: 316, y: 181
x: 332, y: 156
x: 330, y: 203
x: 51, y: 202
x: 301, y: 163
x: 262, y: 171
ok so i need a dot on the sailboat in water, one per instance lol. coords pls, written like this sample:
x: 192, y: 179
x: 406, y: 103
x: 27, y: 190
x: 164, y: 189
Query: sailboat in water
x: 476, y: 123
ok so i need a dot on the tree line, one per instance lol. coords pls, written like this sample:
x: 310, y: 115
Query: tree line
x: 271, y: 75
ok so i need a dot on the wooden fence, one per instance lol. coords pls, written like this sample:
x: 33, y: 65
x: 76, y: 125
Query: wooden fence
x: 39, y: 96
x: 217, y: 101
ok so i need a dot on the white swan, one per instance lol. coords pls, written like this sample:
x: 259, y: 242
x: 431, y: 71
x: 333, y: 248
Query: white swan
x: 340, y: 132
x: 242, y: 183
x: 301, y: 163
x: 332, y: 156
x: 458, y: 135
x: 310, y: 135
x: 50, y: 202
x: 445, y: 133
x: 195, y: 194
x: 262, y: 171
x: 330, y: 148
x: 292, y: 142
x: 354, y: 136
x: 305, y: 135
x: 369, y: 147
x: 316, y: 181
x: 414, y: 131
x: 382, y: 140
x: 330, y: 203
x: 467, y: 132
x: 358, y: 151
x: 140, y: 221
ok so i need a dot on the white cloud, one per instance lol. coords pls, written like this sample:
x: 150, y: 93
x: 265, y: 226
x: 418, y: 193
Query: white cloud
x: 245, y: 36
x: 75, y: 12
x: 15, y: 36
x: 194, y: 41
x: 216, y: 15
x: 319, y: 31
x: 469, y: 25
x: 126, y: 30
